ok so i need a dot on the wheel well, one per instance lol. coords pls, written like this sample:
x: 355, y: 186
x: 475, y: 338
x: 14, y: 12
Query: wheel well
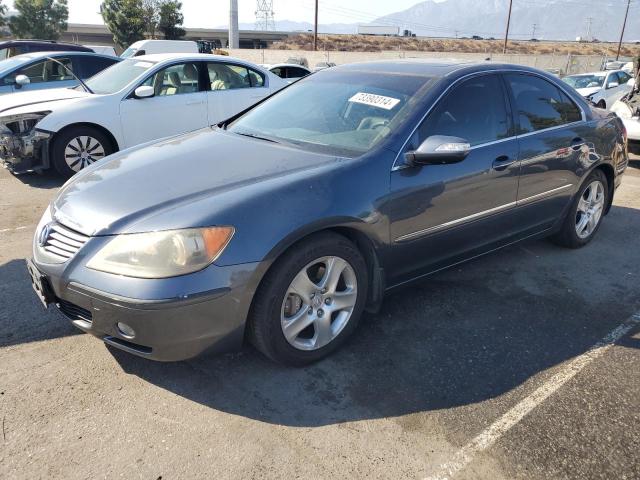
x: 112, y: 139
x: 609, y: 174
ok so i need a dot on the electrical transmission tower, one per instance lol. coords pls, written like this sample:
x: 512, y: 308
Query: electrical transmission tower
x: 265, y: 17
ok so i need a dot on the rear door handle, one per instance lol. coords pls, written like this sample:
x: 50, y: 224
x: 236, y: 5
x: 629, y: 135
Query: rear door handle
x: 502, y: 163
x: 195, y: 102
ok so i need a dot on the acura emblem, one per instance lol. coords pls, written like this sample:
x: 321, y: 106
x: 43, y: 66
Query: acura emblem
x: 44, y: 234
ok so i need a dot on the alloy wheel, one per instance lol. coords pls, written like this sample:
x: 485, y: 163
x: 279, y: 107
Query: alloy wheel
x: 82, y: 151
x: 590, y: 208
x: 318, y: 303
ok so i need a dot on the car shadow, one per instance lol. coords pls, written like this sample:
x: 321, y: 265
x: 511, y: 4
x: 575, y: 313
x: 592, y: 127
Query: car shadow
x: 47, y: 180
x: 463, y: 336
x: 23, y: 319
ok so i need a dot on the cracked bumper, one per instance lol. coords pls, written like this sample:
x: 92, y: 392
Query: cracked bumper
x: 23, y: 152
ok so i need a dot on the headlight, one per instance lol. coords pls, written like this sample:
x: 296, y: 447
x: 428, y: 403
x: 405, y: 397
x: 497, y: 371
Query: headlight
x: 162, y: 254
x: 22, y: 123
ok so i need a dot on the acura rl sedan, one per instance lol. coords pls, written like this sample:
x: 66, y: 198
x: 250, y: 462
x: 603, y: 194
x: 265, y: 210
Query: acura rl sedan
x: 281, y: 225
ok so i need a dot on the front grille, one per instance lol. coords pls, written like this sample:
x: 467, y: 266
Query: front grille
x: 74, y: 312
x: 63, y: 243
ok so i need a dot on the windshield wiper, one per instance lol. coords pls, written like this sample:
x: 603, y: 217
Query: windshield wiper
x: 259, y: 137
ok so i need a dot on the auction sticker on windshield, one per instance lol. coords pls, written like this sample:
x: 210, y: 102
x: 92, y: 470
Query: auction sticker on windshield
x: 375, y: 100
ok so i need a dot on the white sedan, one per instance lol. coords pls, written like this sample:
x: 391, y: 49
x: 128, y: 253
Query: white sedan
x: 136, y: 101
x: 290, y: 72
x: 603, y: 89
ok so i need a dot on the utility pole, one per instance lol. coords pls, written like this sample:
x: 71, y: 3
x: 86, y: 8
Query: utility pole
x: 234, y: 38
x: 315, y: 30
x: 506, y: 35
x: 624, y: 24
x: 589, y: 22
x: 533, y: 34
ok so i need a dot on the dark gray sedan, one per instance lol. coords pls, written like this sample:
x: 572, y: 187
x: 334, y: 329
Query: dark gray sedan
x: 283, y: 224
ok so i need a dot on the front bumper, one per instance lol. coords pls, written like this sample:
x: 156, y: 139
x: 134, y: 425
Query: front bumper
x: 173, y: 319
x: 25, y: 152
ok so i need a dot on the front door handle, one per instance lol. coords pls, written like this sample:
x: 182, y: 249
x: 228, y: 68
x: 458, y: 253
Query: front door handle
x: 502, y: 163
x: 195, y: 102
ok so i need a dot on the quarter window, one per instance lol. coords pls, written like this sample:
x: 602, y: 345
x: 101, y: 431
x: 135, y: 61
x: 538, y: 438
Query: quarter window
x: 539, y: 104
x: 475, y: 111
x: 175, y: 80
x: 48, y: 71
x: 224, y: 76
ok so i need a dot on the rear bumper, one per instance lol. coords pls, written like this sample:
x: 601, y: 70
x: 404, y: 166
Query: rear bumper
x: 25, y: 152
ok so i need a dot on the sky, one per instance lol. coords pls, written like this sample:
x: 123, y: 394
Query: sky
x: 212, y: 13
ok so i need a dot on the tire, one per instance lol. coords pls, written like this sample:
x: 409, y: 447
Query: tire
x: 574, y: 232
x: 69, y: 152
x: 276, y: 307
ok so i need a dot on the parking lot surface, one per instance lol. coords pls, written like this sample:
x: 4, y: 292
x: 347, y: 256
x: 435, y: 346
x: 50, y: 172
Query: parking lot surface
x: 520, y: 365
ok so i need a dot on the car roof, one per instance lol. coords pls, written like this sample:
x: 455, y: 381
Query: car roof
x: 164, y: 57
x: 58, y: 53
x: 427, y: 67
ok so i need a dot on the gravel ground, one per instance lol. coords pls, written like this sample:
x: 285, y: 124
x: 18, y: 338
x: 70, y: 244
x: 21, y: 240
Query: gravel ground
x: 457, y: 374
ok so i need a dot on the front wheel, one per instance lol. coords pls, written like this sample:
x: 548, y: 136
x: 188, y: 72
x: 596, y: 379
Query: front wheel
x: 78, y: 148
x: 310, y: 301
x: 585, y: 215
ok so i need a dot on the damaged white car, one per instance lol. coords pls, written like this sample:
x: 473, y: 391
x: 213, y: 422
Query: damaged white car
x: 136, y: 101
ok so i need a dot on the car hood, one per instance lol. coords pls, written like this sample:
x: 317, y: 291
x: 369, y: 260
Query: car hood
x: 135, y: 185
x: 33, y: 99
x: 585, y: 92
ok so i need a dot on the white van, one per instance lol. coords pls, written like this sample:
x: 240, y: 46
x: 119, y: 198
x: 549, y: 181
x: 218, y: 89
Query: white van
x: 149, y: 47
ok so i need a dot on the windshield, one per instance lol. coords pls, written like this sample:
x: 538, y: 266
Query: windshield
x: 584, y: 81
x: 118, y: 76
x: 129, y: 52
x: 343, y: 113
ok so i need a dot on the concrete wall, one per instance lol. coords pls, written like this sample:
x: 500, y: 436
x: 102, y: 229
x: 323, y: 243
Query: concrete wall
x: 566, y: 64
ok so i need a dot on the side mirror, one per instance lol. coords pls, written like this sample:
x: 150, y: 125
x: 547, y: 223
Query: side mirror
x: 22, y: 80
x: 439, y: 150
x: 144, y: 91
x: 613, y: 85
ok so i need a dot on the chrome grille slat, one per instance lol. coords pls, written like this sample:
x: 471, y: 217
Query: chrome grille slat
x: 67, y: 240
x: 62, y: 242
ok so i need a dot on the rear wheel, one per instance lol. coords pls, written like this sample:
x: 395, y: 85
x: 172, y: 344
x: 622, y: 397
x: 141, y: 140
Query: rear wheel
x: 78, y: 148
x: 587, y: 210
x: 310, y: 301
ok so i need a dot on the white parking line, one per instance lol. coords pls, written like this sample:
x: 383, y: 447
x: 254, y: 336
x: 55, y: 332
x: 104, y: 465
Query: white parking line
x: 5, y: 230
x: 490, y: 435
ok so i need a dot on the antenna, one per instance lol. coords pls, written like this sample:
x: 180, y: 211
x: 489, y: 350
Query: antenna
x: 265, y: 16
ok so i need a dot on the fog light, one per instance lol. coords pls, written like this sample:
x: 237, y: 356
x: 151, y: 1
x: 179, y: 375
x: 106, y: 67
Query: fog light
x: 126, y: 330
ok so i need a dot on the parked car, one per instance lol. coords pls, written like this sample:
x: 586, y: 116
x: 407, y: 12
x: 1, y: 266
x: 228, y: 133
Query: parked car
x: 282, y: 224
x: 151, y: 47
x: 322, y: 65
x: 37, y: 71
x: 103, y: 49
x: 11, y: 48
x: 601, y: 88
x: 628, y: 109
x: 302, y: 61
x: 133, y: 102
x: 289, y: 71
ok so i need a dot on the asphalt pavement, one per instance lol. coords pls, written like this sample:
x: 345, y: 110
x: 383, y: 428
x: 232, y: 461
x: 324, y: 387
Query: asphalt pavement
x: 520, y: 365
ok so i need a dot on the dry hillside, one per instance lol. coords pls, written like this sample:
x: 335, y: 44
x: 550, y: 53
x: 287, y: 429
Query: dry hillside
x: 362, y: 43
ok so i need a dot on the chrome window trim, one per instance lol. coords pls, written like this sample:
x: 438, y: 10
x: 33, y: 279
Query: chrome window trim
x: 396, y: 166
x: 478, y: 215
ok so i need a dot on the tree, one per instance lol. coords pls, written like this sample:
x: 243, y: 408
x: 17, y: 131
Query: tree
x: 3, y: 18
x: 45, y: 19
x: 171, y: 19
x: 125, y: 20
x: 150, y: 11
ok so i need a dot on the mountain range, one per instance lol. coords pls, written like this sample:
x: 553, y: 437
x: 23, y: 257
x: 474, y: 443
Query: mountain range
x: 542, y: 19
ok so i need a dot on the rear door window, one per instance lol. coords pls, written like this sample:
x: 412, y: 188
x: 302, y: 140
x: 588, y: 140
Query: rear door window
x: 539, y: 104
x: 228, y: 76
x: 475, y: 111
